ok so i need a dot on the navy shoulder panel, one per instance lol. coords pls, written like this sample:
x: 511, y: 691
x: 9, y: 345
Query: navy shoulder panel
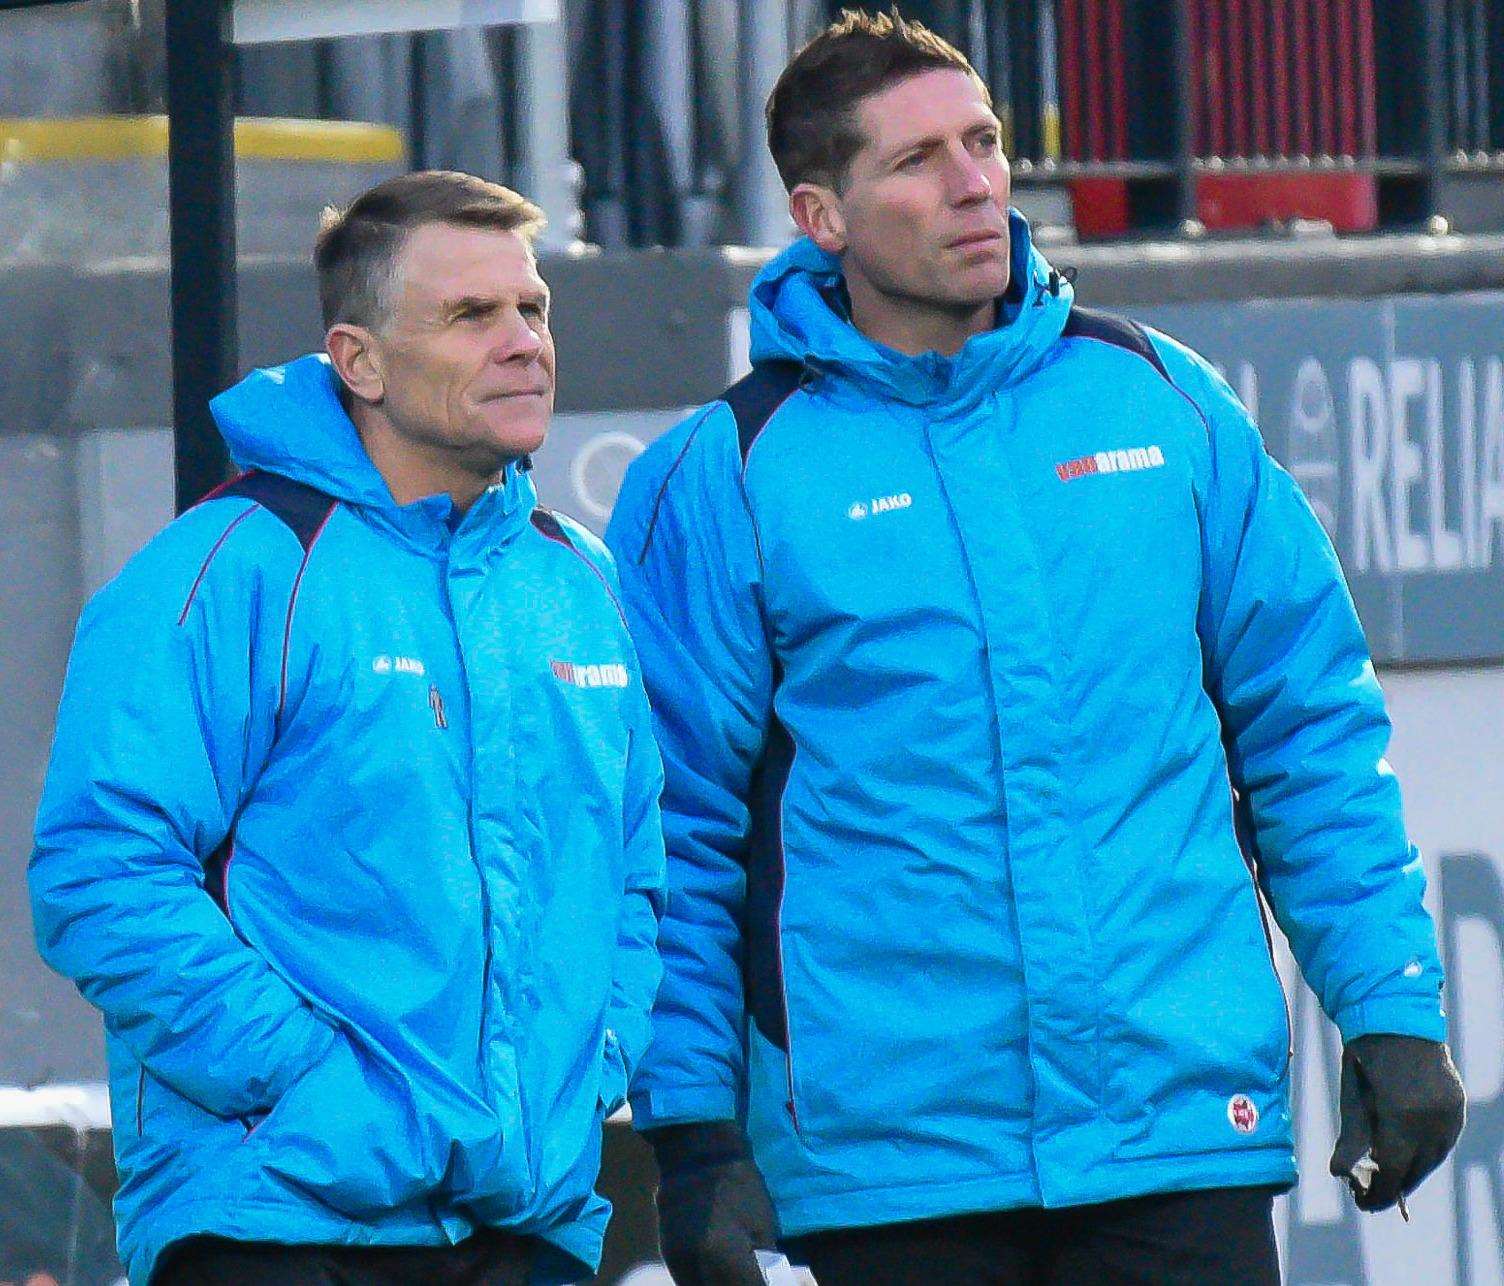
x: 1087, y: 323
x: 302, y: 508
x: 548, y: 524
x: 755, y: 397
x: 544, y: 520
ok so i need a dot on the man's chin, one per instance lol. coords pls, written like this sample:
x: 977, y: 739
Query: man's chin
x: 981, y: 287
x: 494, y: 458
x: 515, y: 440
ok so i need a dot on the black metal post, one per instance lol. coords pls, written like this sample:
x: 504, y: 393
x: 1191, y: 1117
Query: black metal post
x: 1494, y: 80
x: 201, y: 183
x: 1158, y: 57
x: 1014, y: 50
x: 1412, y: 87
x: 1434, y: 52
x: 1183, y: 111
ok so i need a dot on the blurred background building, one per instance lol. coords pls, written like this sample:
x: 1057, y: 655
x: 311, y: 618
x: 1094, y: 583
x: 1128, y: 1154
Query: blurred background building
x: 640, y: 121
x: 1309, y: 191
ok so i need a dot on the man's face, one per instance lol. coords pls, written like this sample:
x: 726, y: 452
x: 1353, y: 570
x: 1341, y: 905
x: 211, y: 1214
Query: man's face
x: 924, y: 208
x: 467, y: 358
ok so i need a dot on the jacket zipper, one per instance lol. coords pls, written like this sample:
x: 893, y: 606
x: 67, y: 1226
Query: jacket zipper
x: 488, y: 963
x: 783, y: 980
x: 788, y: 1054
x: 480, y: 873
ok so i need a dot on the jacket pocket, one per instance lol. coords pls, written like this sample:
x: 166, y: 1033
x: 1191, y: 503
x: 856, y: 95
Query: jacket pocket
x: 166, y: 1119
x: 350, y: 1133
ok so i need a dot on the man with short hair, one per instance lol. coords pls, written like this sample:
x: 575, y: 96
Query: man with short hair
x: 946, y: 611
x: 351, y: 829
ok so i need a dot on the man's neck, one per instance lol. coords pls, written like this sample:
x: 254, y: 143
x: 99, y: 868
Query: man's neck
x: 913, y: 327
x: 412, y: 471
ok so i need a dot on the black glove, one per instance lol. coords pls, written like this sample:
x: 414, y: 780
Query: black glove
x: 714, y: 1211
x: 1403, y: 1104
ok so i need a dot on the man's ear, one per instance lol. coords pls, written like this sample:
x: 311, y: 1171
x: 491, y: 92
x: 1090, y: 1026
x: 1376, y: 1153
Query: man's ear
x: 357, y: 358
x: 817, y: 210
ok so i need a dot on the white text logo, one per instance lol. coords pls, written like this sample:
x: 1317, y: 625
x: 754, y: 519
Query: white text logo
x: 1128, y: 460
x: 398, y: 665
x: 590, y: 676
x: 879, y: 505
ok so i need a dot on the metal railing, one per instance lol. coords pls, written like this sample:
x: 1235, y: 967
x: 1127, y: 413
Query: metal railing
x: 1153, y: 115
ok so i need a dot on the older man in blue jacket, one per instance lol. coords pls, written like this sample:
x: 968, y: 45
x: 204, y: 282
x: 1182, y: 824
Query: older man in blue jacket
x: 967, y: 617
x: 351, y: 829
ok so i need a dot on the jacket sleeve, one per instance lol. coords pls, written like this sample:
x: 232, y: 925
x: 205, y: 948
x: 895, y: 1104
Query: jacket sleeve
x: 1306, y: 733
x: 167, y: 712
x: 687, y: 555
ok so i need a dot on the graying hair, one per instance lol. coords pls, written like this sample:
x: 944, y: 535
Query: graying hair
x: 357, y: 254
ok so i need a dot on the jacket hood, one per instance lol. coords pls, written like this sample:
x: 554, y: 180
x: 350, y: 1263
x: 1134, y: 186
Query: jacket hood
x: 796, y: 316
x: 289, y: 420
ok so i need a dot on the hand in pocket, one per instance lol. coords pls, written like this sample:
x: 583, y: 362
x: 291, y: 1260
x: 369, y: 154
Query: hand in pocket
x: 347, y: 1132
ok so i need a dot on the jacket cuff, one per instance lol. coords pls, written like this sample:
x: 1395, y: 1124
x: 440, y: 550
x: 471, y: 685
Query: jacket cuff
x: 652, y: 1107
x: 1394, y: 1016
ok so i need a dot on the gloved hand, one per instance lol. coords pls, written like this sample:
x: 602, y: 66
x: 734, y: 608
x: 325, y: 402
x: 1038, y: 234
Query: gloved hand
x: 1402, y: 1103
x: 714, y: 1212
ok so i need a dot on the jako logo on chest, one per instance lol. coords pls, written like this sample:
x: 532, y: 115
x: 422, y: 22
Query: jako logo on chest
x: 879, y: 505
x: 398, y: 665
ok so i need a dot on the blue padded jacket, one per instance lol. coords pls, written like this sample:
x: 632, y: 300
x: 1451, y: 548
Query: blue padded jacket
x: 351, y: 831
x: 943, y: 653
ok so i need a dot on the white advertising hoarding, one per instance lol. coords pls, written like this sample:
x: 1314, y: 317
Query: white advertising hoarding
x: 1448, y: 750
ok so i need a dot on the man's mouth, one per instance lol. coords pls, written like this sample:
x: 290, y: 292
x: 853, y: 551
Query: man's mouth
x: 507, y: 395
x: 970, y: 239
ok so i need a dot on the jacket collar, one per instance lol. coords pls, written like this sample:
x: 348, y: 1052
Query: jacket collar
x: 797, y: 314
x: 289, y: 420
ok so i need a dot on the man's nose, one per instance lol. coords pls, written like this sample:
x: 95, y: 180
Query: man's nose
x: 516, y: 340
x: 968, y: 180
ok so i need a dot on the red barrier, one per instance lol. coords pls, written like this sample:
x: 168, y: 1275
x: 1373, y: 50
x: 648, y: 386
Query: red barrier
x: 1279, y: 57
x: 1276, y: 80
x: 1237, y: 89
x: 1226, y: 202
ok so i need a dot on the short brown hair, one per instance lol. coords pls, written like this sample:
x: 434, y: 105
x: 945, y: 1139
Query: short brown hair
x: 811, y: 112
x: 357, y: 249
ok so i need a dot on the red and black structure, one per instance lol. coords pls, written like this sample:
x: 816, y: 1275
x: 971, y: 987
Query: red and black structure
x: 1242, y: 113
x: 1280, y: 97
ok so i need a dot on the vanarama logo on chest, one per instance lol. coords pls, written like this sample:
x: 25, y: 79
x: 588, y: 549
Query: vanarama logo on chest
x: 879, y: 505
x: 1127, y: 460
x: 609, y: 675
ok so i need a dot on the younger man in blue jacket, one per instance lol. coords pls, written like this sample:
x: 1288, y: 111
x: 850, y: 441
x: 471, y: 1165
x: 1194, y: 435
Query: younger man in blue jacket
x: 963, y: 617
x: 351, y: 830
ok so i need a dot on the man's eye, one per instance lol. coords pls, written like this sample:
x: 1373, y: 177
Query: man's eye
x: 535, y: 311
x: 912, y: 161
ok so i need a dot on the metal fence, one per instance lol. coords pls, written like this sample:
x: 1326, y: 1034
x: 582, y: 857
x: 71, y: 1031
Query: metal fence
x: 1150, y: 115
